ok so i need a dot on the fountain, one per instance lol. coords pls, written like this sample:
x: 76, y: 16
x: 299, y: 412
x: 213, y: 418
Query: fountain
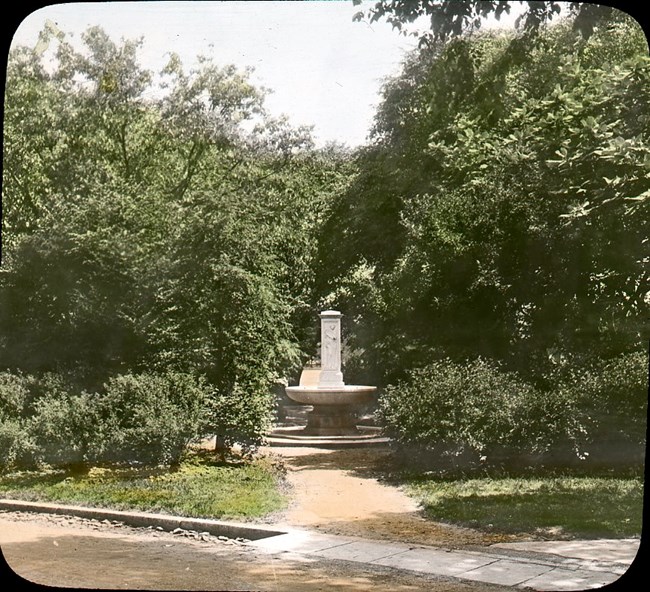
x: 334, y: 402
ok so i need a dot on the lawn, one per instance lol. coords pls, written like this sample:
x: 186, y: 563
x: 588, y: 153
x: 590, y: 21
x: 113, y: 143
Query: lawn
x: 556, y: 506
x: 201, y: 487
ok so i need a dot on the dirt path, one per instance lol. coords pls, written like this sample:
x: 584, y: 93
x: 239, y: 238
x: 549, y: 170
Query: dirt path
x: 339, y: 492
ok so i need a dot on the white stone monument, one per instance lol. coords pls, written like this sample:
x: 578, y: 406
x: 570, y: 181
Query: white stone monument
x: 330, y: 347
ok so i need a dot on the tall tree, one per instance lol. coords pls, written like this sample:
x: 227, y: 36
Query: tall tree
x: 164, y: 226
x: 501, y: 209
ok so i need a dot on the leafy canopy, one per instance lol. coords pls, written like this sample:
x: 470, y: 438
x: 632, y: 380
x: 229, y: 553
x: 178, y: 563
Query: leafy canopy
x: 451, y: 18
x: 501, y: 209
x: 157, y: 223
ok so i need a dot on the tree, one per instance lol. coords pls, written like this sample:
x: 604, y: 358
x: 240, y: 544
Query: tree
x: 80, y: 225
x: 31, y: 144
x: 450, y: 18
x: 166, y: 228
x: 501, y: 209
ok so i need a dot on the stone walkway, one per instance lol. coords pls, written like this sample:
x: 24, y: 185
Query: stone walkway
x: 578, y: 565
x: 352, y: 516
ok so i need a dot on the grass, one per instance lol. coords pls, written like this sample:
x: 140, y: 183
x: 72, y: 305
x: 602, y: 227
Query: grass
x: 201, y: 487
x: 557, y: 506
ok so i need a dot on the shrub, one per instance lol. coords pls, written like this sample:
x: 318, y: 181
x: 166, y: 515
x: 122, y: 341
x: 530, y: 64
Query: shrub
x: 147, y: 418
x: 16, y: 445
x: 624, y: 393
x: 240, y: 415
x: 64, y: 428
x: 42, y: 421
x: 614, y: 393
x: 14, y: 393
x: 476, y: 406
x: 150, y: 418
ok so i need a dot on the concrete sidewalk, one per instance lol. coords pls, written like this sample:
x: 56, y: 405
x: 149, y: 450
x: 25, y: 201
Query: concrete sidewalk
x: 577, y: 565
x: 573, y: 565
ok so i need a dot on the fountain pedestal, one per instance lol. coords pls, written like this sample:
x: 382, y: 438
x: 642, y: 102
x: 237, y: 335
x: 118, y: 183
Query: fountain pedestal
x: 330, y: 348
x: 330, y: 420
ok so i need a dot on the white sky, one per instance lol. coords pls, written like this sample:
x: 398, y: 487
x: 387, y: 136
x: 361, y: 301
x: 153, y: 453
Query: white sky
x: 324, y: 70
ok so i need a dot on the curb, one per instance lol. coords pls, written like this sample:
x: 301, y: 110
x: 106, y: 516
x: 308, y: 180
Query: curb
x: 144, y: 519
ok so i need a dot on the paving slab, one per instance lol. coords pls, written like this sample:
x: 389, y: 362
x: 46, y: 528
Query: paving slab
x: 436, y: 561
x: 544, y: 566
x: 507, y: 573
x: 363, y: 551
x: 566, y: 579
x: 299, y: 542
x: 609, y: 550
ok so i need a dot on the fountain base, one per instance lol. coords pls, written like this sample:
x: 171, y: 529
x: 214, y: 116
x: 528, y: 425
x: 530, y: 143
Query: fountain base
x: 296, y: 437
x: 331, y: 420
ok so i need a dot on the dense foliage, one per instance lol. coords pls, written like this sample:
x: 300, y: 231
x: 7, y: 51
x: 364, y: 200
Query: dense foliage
x: 502, y: 209
x: 450, y: 18
x: 501, y: 212
x: 478, y: 407
x: 157, y: 223
x: 479, y: 410
x: 489, y: 246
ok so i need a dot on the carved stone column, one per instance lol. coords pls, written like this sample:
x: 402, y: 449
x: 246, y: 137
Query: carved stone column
x: 330, y: 347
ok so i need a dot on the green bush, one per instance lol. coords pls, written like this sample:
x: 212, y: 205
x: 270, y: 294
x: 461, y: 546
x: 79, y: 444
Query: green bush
x: 16, y: 444
x: 146, y: 418
x: 42, y: 421
x: 477, y: 407
x: 624, y: 393
x: 150, y: 418
x: 64, y: 428
x: 240, y: 415
x: 614, y: 396
x: 14, y: 393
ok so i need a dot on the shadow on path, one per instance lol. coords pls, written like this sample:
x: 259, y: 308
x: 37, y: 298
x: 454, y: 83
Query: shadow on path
x: 367, y: 463
x: 345, y: 492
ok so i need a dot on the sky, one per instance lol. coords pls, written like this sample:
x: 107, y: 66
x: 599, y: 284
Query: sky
x: 324, y: 69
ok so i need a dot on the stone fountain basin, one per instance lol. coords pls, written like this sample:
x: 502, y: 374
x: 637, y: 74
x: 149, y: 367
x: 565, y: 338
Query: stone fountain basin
x: 349, y: 394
